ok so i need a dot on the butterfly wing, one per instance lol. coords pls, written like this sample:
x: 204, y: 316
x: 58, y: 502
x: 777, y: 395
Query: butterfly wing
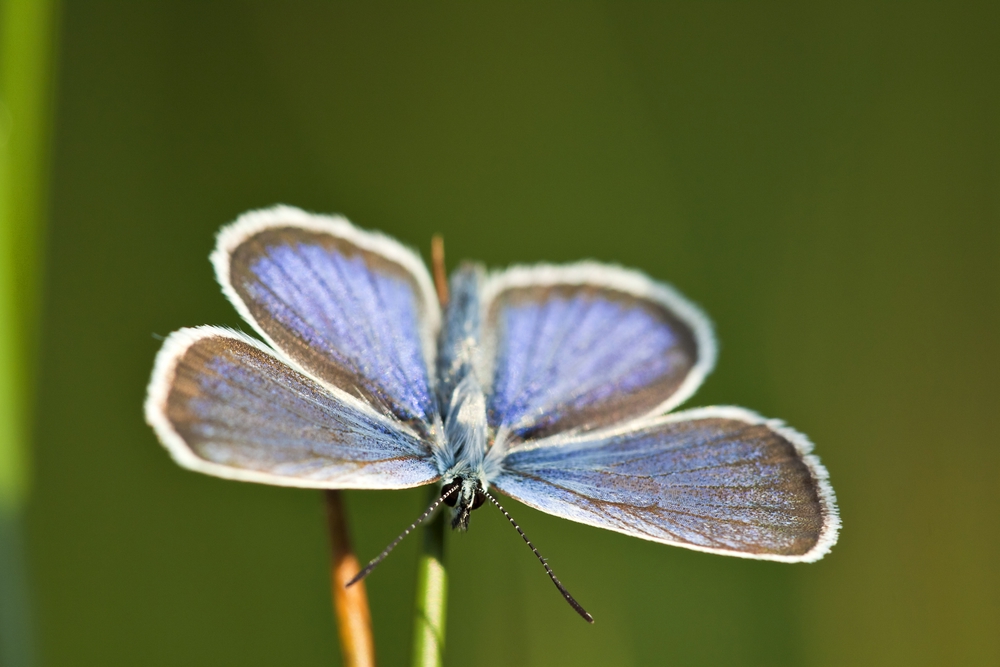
x: 722, y: 480
x: 226, y: 405
x: 353, y: 309
x: 585, y: 346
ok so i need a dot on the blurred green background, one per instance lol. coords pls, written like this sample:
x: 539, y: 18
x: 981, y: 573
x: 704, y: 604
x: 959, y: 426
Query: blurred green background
x: 825, y: 182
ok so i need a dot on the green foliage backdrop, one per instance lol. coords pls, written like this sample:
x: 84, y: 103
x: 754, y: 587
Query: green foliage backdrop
x: 825, y: 182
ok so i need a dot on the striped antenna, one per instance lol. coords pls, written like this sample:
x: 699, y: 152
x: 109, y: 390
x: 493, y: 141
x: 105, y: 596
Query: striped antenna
x: 385, y: 552
x: 552, y: 575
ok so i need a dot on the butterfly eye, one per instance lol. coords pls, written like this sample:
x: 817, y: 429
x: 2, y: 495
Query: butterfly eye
x: 479, y: 499
x: 452, y: 492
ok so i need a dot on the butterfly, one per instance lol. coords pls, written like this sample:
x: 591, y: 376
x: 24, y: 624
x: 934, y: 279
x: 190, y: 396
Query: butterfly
x: 550, y: 384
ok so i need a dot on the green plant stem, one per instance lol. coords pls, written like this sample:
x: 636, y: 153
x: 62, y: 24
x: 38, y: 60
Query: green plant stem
x: 27, y: 31
x: 432, y: 595
x: 26, y: 45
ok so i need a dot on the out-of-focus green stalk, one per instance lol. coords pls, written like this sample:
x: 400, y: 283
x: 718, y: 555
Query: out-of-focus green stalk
x: 26, y: 49
x: 432, y: 596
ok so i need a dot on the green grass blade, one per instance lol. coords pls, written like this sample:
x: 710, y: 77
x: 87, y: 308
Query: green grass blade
x: 432, y: 596
x: 26, y: 48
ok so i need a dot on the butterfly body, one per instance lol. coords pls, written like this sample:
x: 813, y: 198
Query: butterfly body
x: 551, y: 384
x: 467, y: 450
x: 470, y: 458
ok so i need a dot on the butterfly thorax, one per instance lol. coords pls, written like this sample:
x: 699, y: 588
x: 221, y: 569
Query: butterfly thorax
x: 466, y: 436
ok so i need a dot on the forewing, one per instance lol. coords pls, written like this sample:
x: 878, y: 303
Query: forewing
x: 585, y: 346
x: 354, y: 309
x: 223, y: 404
x: 722, y: 480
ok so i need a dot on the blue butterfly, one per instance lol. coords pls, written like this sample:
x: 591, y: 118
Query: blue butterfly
x: 550, y: 384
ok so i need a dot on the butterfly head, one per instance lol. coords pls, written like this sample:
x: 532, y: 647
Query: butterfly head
x: 465, y: 495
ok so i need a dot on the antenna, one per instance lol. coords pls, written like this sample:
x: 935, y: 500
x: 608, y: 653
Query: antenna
x: 381, y: 557
x: 552, y: 575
